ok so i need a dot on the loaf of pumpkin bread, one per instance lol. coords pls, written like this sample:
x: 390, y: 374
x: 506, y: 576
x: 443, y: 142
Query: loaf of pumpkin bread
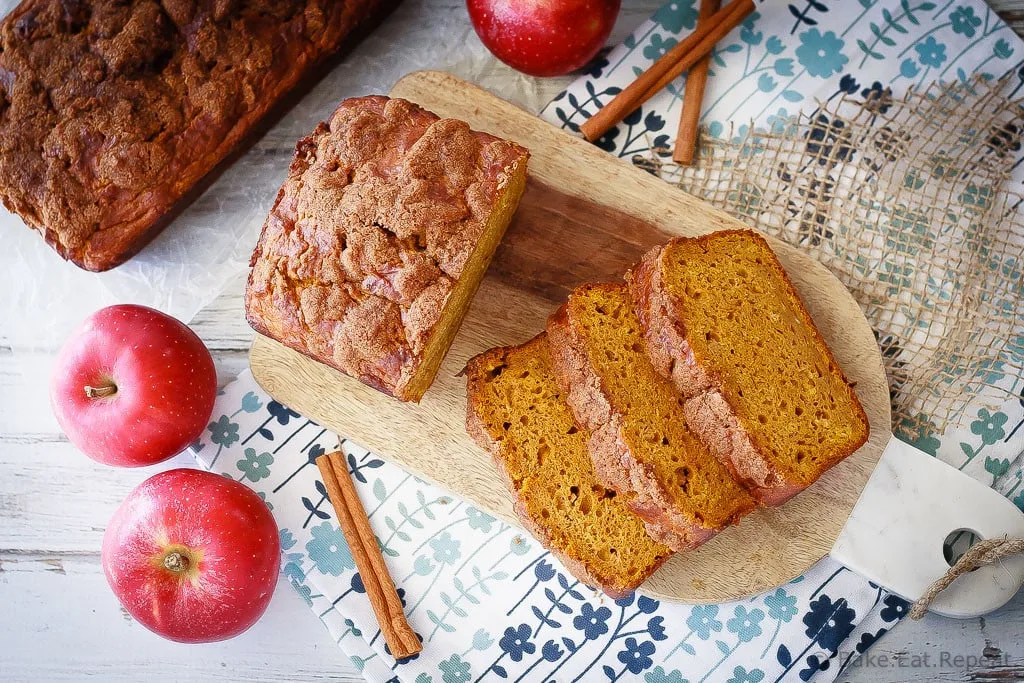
x: 379, y: 238
x: 516, y: 411
x: 639, y: 442
x: 722, y: 320
x: 111, y: 111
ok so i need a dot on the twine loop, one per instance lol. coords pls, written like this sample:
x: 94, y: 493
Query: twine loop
x: 980, y: 554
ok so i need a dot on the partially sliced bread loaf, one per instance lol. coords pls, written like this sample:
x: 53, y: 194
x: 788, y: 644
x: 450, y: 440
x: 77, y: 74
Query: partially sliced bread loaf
x: 723, y: 321
x: 517, y: 412
x: 639, y: 441
x: 379, y: 238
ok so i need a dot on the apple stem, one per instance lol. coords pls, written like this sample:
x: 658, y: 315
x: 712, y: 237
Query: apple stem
x: 106, y: 389
x: 175, y: 562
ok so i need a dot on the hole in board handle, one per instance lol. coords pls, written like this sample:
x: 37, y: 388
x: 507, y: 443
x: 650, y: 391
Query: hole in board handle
x: 958, y: 542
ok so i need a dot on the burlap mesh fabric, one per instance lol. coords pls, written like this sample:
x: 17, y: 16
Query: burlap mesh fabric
x: 912, y: 204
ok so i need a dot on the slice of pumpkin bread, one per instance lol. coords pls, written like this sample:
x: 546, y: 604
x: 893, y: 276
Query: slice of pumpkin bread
x: 639, y: 442
x: 723, y: 321
x: 516, y: 411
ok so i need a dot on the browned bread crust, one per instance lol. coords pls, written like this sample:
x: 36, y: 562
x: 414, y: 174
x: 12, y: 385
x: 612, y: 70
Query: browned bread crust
x: 112, y: 111
x: 378, y: 225
x: 616, y: 463
x: 709, y: 412
x: 481, y: 421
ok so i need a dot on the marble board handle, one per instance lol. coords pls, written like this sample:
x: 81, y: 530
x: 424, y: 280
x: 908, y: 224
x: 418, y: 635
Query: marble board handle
x: 911, y: 503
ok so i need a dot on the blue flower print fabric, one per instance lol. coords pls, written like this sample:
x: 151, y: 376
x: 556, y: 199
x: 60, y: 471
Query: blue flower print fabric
x: 789, y: 56
x: 490, y: 603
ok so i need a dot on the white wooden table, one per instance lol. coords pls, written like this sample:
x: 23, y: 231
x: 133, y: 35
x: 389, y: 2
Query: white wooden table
x: 58, y: 619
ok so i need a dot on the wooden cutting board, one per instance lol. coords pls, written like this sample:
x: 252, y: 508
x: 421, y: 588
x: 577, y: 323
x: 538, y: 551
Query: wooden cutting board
x: 586, y: 217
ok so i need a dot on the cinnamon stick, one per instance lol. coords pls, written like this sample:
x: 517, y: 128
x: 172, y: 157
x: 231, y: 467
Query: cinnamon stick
x: 681, y: 57
x: 693, y: 98
x: 380, y: 588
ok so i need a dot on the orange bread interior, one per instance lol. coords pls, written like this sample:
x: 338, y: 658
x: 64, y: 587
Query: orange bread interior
x: 518, y: 413
x: 465, y: 287
x: 748, y: 329
x: 693, y: 480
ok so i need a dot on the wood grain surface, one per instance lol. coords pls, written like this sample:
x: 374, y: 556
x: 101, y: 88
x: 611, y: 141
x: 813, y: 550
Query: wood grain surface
x: 587, y: 217
x: 63, y: 624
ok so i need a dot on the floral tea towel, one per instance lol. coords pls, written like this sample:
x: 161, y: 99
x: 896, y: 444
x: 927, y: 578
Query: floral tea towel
x: 490, y: 603
x: 788, y: 57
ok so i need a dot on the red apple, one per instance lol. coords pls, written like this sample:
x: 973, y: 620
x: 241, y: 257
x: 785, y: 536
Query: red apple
x: 193, y: 556
x: 133, y: 386
x: 543, y: 37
